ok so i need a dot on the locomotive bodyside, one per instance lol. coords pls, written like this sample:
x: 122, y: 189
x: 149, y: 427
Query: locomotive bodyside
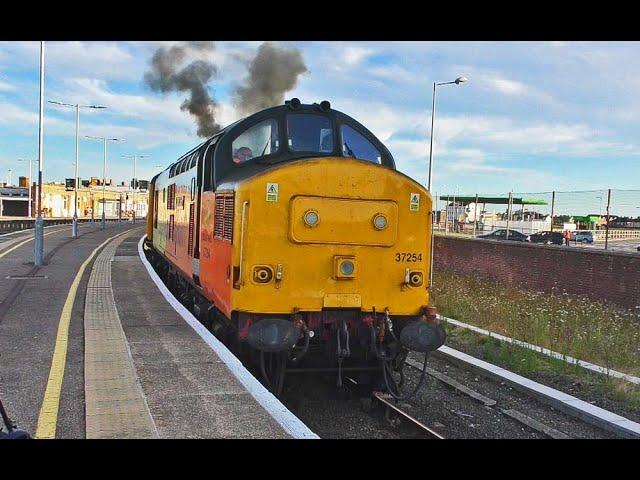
x: 316, y: 253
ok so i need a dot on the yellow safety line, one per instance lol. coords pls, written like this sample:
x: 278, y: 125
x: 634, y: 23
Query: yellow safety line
x: 22, y: 243
x: 48, y: 418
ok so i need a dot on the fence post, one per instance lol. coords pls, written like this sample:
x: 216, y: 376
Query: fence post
x: 509, y: 214
x: 606, y: 234
x: 455, y: 211
x: 475, y: 216
x: 553, y: 204
x: 446, y: 215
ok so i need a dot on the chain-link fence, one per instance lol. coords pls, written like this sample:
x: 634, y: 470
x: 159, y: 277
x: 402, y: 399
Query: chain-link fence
x: 608, y: 219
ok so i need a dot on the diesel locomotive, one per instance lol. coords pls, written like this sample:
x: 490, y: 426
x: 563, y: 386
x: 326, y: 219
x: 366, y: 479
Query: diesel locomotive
x: 293, y: 238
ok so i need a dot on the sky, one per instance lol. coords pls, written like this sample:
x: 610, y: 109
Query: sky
x: 533, y: 117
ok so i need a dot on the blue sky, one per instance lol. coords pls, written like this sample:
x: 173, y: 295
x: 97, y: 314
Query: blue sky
x: 534, y: 117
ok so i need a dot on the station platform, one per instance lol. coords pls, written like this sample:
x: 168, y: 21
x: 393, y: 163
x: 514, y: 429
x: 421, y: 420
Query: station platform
x: 92, y: 345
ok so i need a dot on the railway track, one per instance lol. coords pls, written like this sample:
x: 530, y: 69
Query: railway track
x: 388, y: 402
x: 454, y: 403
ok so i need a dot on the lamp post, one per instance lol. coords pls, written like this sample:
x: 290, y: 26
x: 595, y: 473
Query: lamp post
x: 135, y: 181
x: 77, y: 106
x: 103, y: 222
x: 457, y: 81
x: 38, y: 244
x: 30, y: 183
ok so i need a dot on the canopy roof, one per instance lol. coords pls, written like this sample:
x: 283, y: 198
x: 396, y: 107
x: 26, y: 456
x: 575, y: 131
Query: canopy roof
x: 495, y: 200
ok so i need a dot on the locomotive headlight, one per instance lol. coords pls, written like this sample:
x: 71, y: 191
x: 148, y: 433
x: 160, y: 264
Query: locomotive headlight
x: 344, y: 267
x: 311, y: 218
x: 380, y: 221
x: 347, y: 268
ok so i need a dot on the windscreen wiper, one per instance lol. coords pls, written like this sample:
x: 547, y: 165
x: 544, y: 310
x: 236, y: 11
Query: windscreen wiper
x: 349, y: 151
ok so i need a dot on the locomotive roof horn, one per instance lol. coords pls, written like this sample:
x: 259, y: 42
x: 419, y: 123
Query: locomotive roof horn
x: 293, y: 104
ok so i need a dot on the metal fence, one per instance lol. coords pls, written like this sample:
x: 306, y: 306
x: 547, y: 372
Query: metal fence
x: 608, y: 219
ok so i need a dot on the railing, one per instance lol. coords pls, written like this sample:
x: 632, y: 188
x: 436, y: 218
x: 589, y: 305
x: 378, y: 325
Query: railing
x: 614, y: 234
x: 14, y: 225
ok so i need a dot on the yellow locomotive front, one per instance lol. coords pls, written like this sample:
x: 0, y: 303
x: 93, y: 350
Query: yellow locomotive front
x: 332, y: 233
x: 331, y: 260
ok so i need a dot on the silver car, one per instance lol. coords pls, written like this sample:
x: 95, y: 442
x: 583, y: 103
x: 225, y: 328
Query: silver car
x: 583, y: 237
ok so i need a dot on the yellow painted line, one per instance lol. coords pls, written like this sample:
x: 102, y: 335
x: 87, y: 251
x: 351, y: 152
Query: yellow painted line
x: 48, y: 418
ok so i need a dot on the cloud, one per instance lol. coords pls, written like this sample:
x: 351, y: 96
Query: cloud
x: 106, y: 60
x: 355, y: 54
x: 7, y: 87
x: 508, y: 87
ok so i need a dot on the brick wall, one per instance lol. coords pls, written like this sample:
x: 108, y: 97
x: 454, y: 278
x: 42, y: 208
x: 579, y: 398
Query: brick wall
x: 603, y: 276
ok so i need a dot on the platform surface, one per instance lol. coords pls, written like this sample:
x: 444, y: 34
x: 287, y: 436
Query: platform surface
x: 132, y: 367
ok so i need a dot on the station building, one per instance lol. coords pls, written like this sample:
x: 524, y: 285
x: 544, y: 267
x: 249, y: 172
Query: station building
x: 57, y: 200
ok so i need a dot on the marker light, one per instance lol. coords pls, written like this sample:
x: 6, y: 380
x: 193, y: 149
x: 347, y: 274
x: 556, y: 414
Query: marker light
x: 311, y: 218
x: 415, y: 279
x: 262, y: 274
x: 380, y: 221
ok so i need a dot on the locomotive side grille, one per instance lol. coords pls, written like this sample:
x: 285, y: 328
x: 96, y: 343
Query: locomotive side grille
x: 223, y: 220
x: 228, y: 218
x: 171, y: 197
x: 191, y: 228
x: 218, y: 225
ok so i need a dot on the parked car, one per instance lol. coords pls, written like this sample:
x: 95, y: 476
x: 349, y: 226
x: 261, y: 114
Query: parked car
x: 582, y: 237
x: 548, y: 238
x: 639, y: 248
x: 501, y: 234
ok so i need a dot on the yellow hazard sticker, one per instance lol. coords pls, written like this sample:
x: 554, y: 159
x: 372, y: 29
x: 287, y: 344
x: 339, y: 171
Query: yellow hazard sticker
x: 414, y: 202
x: 272, y: 192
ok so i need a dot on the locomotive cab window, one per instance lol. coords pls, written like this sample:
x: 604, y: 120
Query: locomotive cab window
x: 309, y: 133
x: 355, y: 145
x: 258, y: 141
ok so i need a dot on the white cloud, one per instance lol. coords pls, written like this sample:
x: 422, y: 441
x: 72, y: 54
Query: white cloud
x: 354, y: 54
x: 509, y: 87
x: 106, y: 60
x: 7, y: 87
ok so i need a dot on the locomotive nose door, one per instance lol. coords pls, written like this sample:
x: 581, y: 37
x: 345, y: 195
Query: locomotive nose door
x: 343, y: 221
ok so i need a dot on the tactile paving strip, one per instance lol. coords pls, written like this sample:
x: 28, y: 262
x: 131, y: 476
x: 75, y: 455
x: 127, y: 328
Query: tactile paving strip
x: 115, y: 403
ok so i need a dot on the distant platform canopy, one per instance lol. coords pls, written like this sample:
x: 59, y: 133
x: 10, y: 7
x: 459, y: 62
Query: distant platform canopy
x: 494, y: 200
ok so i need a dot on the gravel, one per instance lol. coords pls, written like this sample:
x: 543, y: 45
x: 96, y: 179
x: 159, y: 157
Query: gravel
x: 341, y: 413
x: 508, y: 398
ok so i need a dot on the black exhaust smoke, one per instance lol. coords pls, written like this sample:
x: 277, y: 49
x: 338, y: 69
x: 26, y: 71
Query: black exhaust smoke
x: 167, y: 74
x: 272, y: 73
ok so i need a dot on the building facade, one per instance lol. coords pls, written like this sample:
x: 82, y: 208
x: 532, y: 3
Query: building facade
x: 57, y: 201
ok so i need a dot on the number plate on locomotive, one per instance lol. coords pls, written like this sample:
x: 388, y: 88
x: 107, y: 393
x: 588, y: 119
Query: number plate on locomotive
x: 408, y: 257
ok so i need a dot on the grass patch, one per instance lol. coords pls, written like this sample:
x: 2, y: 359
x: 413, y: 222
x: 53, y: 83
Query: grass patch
x: 569, y: 324
x: 610, y: 393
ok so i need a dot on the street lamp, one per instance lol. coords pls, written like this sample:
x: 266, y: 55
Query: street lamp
x: 135, y: 181
x: 77, y: 106
x: 30, y: 183
x: 103, y: 222
x: 457, y: 81
x: 38, y: 244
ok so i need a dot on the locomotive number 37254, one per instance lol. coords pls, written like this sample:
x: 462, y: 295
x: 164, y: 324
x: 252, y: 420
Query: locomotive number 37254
x: 408, y: 257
